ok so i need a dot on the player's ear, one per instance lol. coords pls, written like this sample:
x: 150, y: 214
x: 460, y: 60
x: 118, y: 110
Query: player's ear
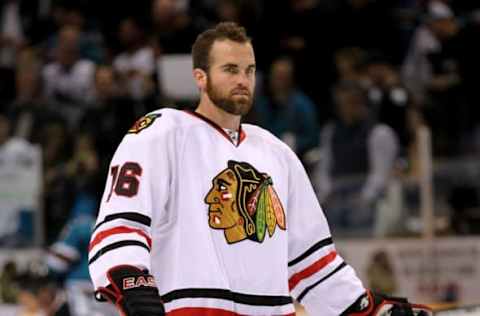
x: 200, y: 77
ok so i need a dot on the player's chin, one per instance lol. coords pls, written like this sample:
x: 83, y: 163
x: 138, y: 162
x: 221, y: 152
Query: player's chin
x: 243, y: 106
x: 241, y: 98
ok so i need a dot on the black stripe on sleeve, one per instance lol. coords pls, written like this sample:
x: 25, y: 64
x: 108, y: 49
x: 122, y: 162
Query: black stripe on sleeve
x: 240, y: 298
x: 131, y: 216
x: 116, y: 245
x: 309, y: 288
x: 322, y: 243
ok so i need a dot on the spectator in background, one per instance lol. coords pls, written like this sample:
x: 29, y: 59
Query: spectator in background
x: 68, y: 255
x: 53, y: 300
x: 174, y: 29
x: 21, y: 22
x: 29, y: 111
x: 12, y: 38
x: 243, y: 12
x: 8, y: 293
x: 29, y: 287
x: 239, y: 11
x: 348, y: 64
x: 12, y: 34
x: 15, y: 155
x: 388, y: 97
x: 419, y: 69
x: 115, y: 109
x: 72, y: 14
x: 405, y: 14
x: 286, y: 111
x: 68, y: 176
x: 83, y: 166
x: 228, y: 10
x: 38, y: 294
x: 380, y: 273
x: 431, y: 71
x: 58, y: 193
x: 349, y: 67
x: 68, y: 259
x: 358, y: 156
x: 21, y: 25
x: 68, y: 79
x: 287, y: 29
x: 136, y: 63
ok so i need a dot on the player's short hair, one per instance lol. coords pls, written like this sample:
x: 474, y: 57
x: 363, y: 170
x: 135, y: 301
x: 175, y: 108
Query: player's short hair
x: 204, y: 42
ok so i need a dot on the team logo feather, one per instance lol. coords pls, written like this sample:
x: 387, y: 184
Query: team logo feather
x: 243, y: 202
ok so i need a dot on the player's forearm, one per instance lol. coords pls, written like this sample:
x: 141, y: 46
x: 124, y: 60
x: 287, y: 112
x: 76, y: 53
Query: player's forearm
x: 330, y: 292
x: 119, y: 239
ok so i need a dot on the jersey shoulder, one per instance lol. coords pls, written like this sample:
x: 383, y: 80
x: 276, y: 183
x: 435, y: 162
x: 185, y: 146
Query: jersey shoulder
x: 260, y: 134
x: 158, y: 128
x: 158, y: 122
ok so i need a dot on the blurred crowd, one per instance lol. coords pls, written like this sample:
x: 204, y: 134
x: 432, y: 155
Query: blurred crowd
x: 347, y: 84
x: 337, y: 79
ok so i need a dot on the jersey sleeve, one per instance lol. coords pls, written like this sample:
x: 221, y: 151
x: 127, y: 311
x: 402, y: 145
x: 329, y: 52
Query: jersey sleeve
x: 319, y: 278
x: 135, y: 194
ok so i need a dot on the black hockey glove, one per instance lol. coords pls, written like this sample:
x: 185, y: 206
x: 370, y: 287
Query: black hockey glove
x: 372, y: 304
x: 133, y: 291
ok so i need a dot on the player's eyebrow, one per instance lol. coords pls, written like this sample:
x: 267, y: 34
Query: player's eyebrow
x: 229, y: 65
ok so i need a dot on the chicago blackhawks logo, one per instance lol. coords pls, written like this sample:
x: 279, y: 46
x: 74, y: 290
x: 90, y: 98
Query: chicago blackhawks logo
x: 143, y: 122
x: 243, y: 202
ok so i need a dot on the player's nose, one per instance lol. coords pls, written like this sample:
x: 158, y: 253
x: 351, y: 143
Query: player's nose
x: 243, y: 80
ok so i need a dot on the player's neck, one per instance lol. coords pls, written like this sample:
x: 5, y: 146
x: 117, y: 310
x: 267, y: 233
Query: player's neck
x: 217, y: 115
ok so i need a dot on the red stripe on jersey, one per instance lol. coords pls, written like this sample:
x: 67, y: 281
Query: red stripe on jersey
x: 312, y: 269
x: 242, y: 135
x: 204, y: 311
x: 241, y: 132
x: 118, y: 230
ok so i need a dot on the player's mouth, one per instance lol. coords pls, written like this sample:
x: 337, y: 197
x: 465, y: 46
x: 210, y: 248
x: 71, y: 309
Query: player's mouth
x: 243, y: 93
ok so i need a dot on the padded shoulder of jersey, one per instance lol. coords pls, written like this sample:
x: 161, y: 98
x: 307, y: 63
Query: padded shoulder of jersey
x: 157, y: 123
x: 263, y: 135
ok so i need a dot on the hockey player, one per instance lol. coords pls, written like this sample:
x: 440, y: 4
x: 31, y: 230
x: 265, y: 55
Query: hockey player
x: 203, y: 215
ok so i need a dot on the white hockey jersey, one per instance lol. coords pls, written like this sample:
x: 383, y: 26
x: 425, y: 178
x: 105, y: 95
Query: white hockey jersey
x: 226, y: 229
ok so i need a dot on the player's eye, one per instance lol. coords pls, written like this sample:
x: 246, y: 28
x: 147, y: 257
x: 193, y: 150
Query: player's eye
x: 231, y: 70
x: 223, y: 187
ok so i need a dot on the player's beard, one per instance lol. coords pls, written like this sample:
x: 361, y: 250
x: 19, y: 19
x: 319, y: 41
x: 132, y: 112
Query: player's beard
x: 239, y: 106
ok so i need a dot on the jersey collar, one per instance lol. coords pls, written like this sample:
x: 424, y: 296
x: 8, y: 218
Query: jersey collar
x: 241, y: 133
